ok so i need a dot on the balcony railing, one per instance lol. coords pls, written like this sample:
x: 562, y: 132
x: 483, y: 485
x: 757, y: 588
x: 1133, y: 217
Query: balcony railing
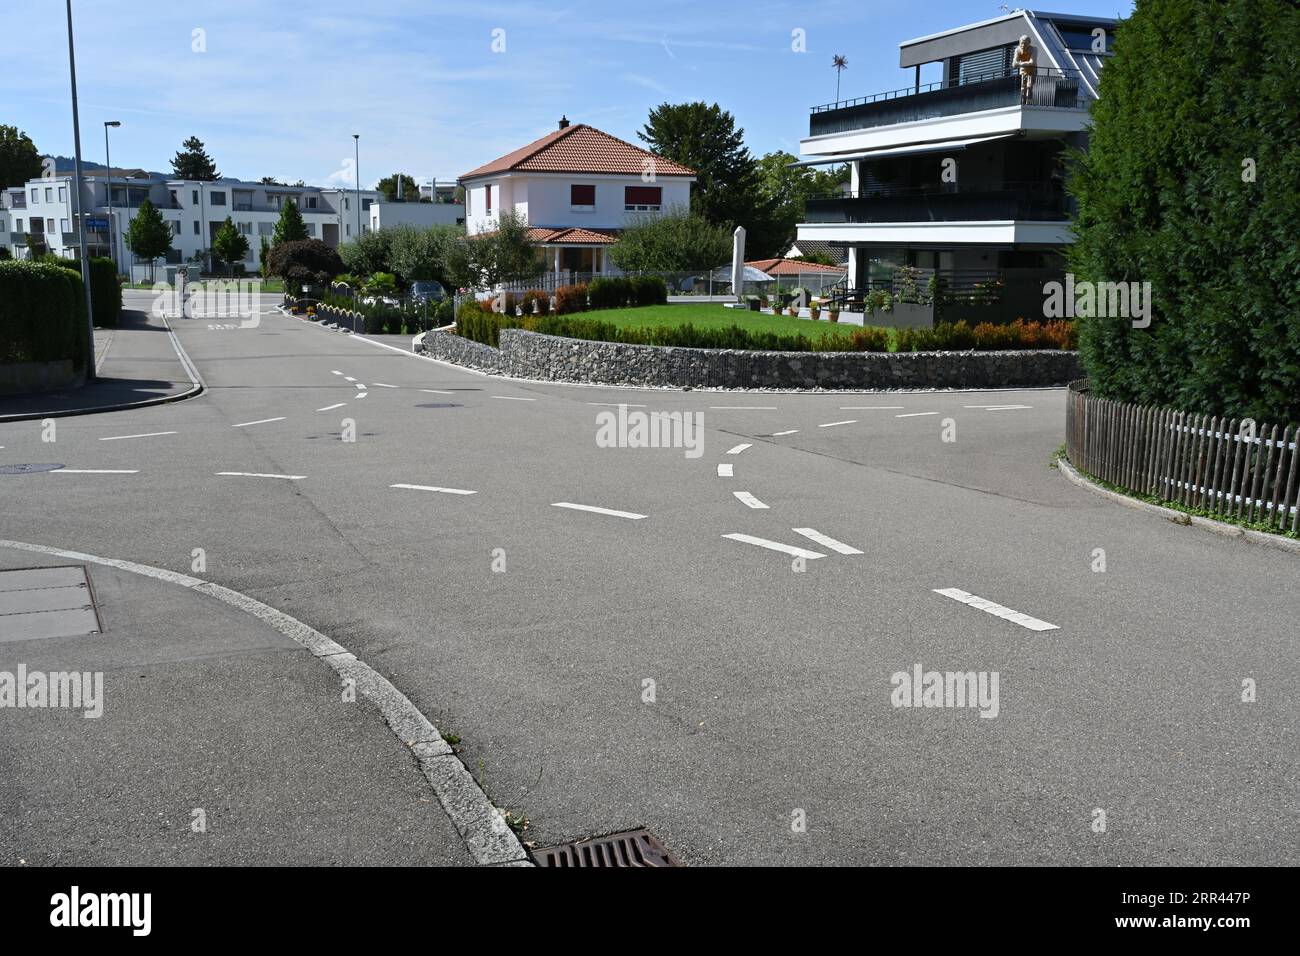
x: 1053, y: 88
x: 1011, y: 201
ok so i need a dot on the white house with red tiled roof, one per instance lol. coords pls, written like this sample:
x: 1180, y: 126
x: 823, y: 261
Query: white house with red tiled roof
x: 577, y: 187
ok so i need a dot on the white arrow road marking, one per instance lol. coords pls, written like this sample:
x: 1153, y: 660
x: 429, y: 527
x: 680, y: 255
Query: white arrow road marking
x: 146, y: 435
x: 600, y: 511
x: 260, y: 421
x: 738, y: 449
x: 335, y: 371
x: 446, y: 491
x: 512, y: 398
x: 851, y: 421
x: 916, y: 414
x: 746, y: 498
x: 258, y: 474
x: 779, y: 434
x: 362, y: 394
x: 96, y: 471
x: 775, y: 546
x: 997, y: 610
x: 725, y: 471
x: 826, y: 542
x: 349, y: 378
x: 330, y: 408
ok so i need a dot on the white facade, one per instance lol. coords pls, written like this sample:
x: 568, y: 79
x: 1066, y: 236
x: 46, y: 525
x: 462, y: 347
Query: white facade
x: 196, y: 210
x: 546, y: 199
x: 421, y: 214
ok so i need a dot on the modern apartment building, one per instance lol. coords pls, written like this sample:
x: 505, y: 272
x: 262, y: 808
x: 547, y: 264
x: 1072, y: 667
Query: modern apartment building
x: 47, y: 210
x: 963, y: 174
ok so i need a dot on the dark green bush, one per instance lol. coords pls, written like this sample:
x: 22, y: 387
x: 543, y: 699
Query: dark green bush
x: 105, y: 293
x: 649, y: 290
x: 609, y: 292
x: 42, y: 314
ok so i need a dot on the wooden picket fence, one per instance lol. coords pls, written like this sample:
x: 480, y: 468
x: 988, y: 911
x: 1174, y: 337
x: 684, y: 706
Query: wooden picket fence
x: 1228, y: 467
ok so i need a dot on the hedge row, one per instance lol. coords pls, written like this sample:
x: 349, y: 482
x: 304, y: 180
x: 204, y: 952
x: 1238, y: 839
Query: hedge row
x: 383, y: 319
x: 473, y: 322
x: 105, y: 293
x: 42, y: 314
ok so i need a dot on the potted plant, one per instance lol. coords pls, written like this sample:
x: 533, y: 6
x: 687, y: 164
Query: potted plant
x: 815, y: 311
x: 763, y: 302
x: 752, y: 302
x: 833, y: 313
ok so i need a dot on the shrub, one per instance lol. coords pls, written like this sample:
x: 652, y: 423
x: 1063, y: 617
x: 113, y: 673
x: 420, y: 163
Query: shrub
x: 535, y: 297
x: 105, y: 293
x: 307, y: 261
x: 570, y: 298
x: 42, y: 314
x: 609, y: 292
x: 870, y: 339
x: 649, y: 290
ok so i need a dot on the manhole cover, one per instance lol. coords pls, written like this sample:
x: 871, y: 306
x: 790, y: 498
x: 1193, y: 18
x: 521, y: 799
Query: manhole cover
x: 632, y: 848
x: 36, y: 603
x: 28, y: 469
x: 438, y: 405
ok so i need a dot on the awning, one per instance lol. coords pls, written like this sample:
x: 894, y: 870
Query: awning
x: 942, y: 146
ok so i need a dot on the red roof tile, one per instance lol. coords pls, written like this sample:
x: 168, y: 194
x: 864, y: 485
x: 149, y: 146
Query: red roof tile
x: 571, y: 236
x: 791, y: 267
x: 580, y: 149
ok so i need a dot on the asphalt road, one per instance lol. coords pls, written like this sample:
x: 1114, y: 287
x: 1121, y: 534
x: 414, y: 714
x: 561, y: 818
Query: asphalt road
x: 771, y: 685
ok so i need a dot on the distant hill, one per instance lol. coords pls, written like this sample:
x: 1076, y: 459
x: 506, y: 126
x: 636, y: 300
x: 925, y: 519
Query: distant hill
x: 68, y: 164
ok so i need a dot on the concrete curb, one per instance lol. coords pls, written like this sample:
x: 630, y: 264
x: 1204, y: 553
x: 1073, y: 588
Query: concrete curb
x: 1274, y: 541
x: 488, y: 838
x: 197, y: 387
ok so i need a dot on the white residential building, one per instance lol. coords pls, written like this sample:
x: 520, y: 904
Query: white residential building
x: 384, y: 214
x: 577, y: 188
x: 46, y: 209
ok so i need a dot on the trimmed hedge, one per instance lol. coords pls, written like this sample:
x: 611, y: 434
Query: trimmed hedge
x: 42, y: 314
x: 473, y: 322
x: 105, y: 293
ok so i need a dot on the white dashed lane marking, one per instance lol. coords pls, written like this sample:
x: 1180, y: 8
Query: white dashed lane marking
x: 851, y: 421
x: 726, y: 471
x: 775, y: 546
x: 615, y: 404
x: 445, y: 491
x: 258, y: 474
x: 260, y: 421
x: 779, y: 434
x: 382, y: 385
x: 96, y: 471
x: 335, y: 371
x: 512, y: 398
x: 599, y: 511
x: 865, y: 408
x: 349, y: 378
x: 997, y: 610
x: 146, y: 435
x: 738, y: 449
x: 745, y: 498
x: 330, y: 408
x: 916, y: 414
x: 742, y: 408
x: 998, y: 408
x: 826, y: 542
x: 436, y: 391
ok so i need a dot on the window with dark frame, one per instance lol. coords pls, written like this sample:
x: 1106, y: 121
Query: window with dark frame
x: 582, y: 197
x: 642, y: 198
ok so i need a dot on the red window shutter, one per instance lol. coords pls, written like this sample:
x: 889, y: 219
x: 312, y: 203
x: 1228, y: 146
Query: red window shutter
x: 488, y: 190
x: 643, y: 195
x: 582, y: 195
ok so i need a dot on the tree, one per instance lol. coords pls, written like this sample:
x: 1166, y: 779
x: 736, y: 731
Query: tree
x: 1189, y: 183
x: 192, y: 162
x: 486, y: 259
x: 428, y: 253
x: 839, y: 64
x: 229, y: 245
x: 369, y: 252
x: 388, y: 186
x: 675, y: 241
x: 290, y: 227
x: 149, y: 236
x: 304, y: 262
x: 19, y: 160
x: 726, y: 192
x: 785, y: 191
x: 263, y: 254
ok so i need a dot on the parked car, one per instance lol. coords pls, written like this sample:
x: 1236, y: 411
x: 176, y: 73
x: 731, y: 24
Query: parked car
x: 427, y: 290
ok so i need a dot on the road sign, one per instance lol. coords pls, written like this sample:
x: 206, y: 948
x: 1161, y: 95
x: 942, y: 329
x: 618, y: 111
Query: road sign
x: 96, y: 223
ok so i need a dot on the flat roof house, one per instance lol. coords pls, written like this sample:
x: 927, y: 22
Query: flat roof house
x: 963, y: 175
x: 577, y: 187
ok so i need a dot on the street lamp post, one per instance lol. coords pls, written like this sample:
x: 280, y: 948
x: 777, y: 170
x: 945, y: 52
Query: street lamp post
x: 356, y: 171
x: 112, y: 247
x: 81, y: 211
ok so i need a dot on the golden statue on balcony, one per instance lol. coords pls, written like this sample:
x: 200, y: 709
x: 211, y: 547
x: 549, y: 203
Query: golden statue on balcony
x: 1024, y: 59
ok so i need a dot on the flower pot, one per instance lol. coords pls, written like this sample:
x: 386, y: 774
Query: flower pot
x: 794, y: 311
x: 815, y: 314
x: 834, y: 316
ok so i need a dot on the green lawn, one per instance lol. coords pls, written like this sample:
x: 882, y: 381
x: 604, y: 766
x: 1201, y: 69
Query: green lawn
x: 712, y: 315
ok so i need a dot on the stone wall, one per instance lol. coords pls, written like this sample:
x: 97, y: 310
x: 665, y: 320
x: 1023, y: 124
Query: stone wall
x: 553, y: 359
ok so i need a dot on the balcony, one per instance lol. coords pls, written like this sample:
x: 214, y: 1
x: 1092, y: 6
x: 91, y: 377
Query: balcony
x: 1024, y: 202
x: 1053, y: 89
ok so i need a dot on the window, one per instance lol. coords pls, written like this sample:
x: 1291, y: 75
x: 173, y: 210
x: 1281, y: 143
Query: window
x: 217, y: 198
x: 365, y: 204
x: 64, y: 224
x: 311, y: 228
x: 36, y: 195
x: 49, y: 225
x: 176, y: 227
x: 18, y: 225
x: 63, y: 194
x: 196, y: 227
x: 265, y: 228
x: 582, y: 198
x: 49, y: 194
x: 347, y: 229
x: 347, y: 203
x: 175, y: 201
x: 195, y: 194
x: 311, y: 202
x: 488, y: 191
x: 642, y: 198
x: 245, y: 229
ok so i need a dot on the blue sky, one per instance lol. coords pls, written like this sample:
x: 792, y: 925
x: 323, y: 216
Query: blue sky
x: 281, y: 88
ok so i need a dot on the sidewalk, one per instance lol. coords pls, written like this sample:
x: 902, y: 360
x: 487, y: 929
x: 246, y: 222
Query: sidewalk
x: 138, y: 364
x: 204, y: 707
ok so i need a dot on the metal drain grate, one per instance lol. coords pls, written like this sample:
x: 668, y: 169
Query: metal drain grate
x: 632, y: 848
x: 28, y: 469
x: 37, y: 603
